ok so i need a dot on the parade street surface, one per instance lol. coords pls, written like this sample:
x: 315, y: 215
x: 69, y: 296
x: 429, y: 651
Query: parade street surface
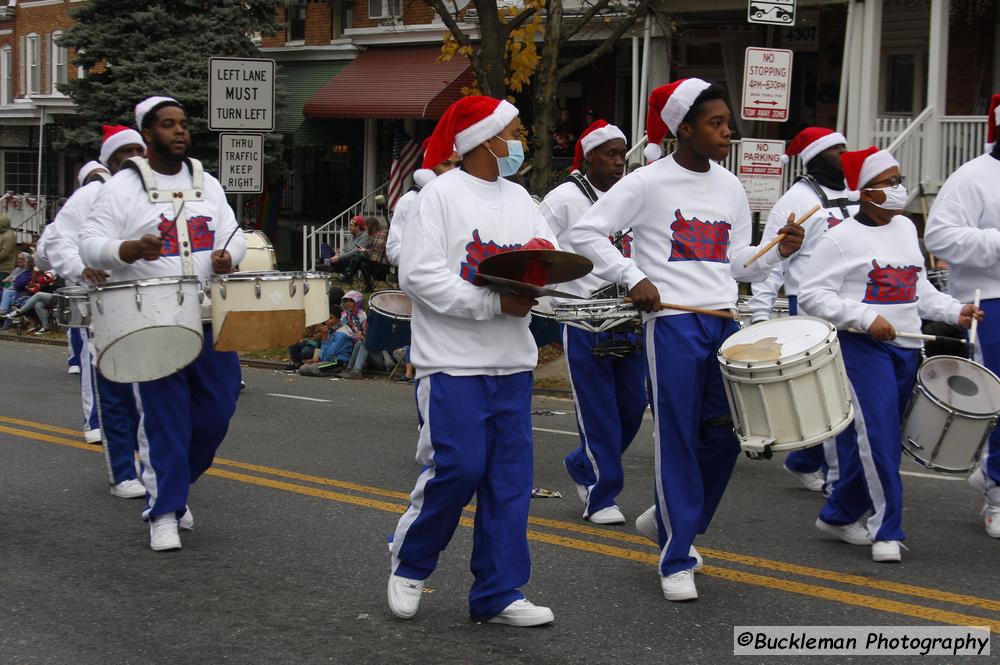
x: 288, y: 560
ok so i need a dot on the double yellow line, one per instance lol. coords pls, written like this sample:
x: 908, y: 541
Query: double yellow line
x: 604, y: 542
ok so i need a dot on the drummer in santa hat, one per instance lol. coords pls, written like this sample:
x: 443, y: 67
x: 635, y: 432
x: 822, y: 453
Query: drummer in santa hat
x: 867, y: 274
x: 474, y: 355
x: 609, y: 392
x: 964, y: 230
x: 406, y: 203
x: 823, y: 184
x: 116, y: 421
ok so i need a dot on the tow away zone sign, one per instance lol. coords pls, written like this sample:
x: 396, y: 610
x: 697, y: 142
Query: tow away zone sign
x: 767, y: 82
x: 760, y: 171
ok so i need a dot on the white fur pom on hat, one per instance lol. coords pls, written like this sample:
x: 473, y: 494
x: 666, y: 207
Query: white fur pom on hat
x: 148, y: 104
x: 116, y: 136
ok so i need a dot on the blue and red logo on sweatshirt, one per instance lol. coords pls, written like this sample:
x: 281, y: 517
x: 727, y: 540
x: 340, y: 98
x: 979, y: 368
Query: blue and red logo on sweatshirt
x: 889, y: 285
x: 477, y: 250
x: 202, y: 237
x: 832, y: 220
x: 695, y: 240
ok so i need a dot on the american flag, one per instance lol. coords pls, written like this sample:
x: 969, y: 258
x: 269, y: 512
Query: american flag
x: 405, y: 157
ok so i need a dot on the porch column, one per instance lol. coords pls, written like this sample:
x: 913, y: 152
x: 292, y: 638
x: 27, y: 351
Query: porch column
x: 937, y: 86
x: 371, y: 144
x: 871, y: 63
x: 853, y: 60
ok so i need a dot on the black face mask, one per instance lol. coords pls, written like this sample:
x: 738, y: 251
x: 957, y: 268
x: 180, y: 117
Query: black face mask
x: 995, y: 154
x: 826, y: 173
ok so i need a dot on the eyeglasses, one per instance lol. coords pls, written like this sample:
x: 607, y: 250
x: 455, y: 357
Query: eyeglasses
x: 895, y: 181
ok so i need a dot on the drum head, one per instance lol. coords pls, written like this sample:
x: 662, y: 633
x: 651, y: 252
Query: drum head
x: 777, y: 338
x: 961, y: 384
x: 392, y: 303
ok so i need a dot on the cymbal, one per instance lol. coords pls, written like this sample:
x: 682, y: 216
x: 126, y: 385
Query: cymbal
x: 559, y: 266
x: 523, y: 288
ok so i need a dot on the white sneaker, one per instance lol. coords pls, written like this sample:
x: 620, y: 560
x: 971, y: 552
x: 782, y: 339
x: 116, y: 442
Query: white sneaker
x: 404, y: 596
x: 991, y: 519
x: 524, y: 613
x: 645, y: 524
x: 887, y: 551
x: 854, y: 534
x: 92, y: 435
x: 679, y: 586
x: 812, y: 481
x: 609, y: 515
x: 163, y: 534
x: 128, y: 489
x: 187, y: 521
x: 73, y: 369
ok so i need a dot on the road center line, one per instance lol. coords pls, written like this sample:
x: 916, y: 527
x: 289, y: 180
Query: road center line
x: 307, y: 399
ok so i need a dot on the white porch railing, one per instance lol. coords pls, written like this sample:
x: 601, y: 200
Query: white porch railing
x: 962, y: 138
x: 334, y: 232
x: 28, y: 214
x: 908, y: 149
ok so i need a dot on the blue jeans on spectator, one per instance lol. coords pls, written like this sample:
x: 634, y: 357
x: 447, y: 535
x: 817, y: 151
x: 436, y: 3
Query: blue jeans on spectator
x: 39, y: 302
x: 359, y: 356
x: 7, y: 299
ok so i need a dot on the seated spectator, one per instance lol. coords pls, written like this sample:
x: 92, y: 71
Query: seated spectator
x: 346, y: 261
x: 16, y: 281
x: 337, y: 343
x: 403, y: 356
x: 377, y: 265
x: 354, y: 315
x: 36, y: 299
x: 305, y: 348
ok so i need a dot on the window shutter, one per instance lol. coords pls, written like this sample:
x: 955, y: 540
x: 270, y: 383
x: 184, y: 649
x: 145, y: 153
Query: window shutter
x: 22, y: 66
x: 48, y: 57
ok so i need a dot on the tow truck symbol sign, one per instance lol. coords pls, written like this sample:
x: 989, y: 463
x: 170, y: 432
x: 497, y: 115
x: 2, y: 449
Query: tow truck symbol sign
x: 775, y: 12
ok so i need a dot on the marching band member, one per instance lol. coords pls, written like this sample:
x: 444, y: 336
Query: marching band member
x: 964, y: 230
x: 868, y: 274
x: 609, y: 392
x: 691, y: 223
x: 407, y: 201
x: 823, y: 184
x: 113, y: 408
x: 474, y: 357
x: 183, y: 417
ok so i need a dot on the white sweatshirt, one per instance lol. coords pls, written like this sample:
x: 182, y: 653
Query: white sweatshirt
x: 123, y: 212
x: 458, y: 328
x: 799, y: 199
x: 60, y: 242
x: 692, y: 235
x: 964, y: 228
x: 858, y: 272
x: 761, y: 304
x: 404, y: 206
x: 562, y: 208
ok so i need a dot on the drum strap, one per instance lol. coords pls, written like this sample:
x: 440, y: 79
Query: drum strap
x: 176, y: 197
x: 581, y: 181
x: 841, y: 203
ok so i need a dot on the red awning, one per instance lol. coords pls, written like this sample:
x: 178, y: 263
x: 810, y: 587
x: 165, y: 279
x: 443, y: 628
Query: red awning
x: 393, y: 83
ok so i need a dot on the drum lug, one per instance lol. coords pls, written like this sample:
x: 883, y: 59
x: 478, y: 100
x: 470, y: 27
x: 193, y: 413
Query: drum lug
x: 138, y: 298
x: 291, y: 289
x: 180, y: 297
x: 756, y: 447
x: 222, y: 290
x: 305, y: 288
x: 256, y: 288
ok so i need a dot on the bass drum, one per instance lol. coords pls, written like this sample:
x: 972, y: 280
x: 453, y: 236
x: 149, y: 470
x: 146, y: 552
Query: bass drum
x: 389, y: 314
x: 543, y: 325
x: 260, y: 254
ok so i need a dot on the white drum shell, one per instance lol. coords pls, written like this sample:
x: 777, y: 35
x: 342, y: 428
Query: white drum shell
x: 72, y: 306
x: 253, y: 292
x: 143, y: 330
x: 789, y: 403
x: 316, y: 297
x: 260, y: 255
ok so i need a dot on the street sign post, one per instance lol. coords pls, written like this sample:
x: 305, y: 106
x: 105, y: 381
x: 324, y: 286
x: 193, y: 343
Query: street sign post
x: 241, y: 163
x: 771, y: 12
x: 767, y: 83
x: 760, y: 170
x: 241, y: 94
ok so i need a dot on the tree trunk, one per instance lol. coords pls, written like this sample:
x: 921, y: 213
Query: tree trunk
x: 492, y: 50
x: 545, y: 101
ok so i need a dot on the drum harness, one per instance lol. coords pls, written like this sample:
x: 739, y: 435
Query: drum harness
x: 840, y: 203
x: 622, y: 340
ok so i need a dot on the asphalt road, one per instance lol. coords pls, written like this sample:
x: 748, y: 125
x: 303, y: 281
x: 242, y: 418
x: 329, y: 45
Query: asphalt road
x: 288, y: 560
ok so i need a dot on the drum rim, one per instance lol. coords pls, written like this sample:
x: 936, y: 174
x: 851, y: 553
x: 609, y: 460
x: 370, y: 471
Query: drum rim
x: 373, y: 306
x: 831, y: 338
x: 145, y: 281
x: 72, y: 292
x: 262, y: 275
x: 921, y: 387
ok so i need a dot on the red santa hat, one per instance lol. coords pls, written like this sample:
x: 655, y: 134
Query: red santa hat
x: 861, y: 166
x: 116, y: 136
x: 598, y: 133
x: 668, y: 105
x: 810, y: 142
x: 467, y: 123
x: 992, y: 122
x: 89, y: 168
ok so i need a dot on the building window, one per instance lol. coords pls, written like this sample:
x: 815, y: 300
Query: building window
x: 20, y: 172
x: 296, y: 22
x: 60, y: 71
x: 6, y: 75
x: 899, y: 83
x: 33, y: 64
x: 385, y: 9
x: 341, y: 18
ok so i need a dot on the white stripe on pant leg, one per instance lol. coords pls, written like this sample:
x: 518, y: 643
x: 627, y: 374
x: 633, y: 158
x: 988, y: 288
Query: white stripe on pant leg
x: 579, y: 422
x: 872, y: 479
x: 425, y: 456
x: 661, y: 497
x: 86, y: 381
x: 148, y: 473
x: 832, y: 462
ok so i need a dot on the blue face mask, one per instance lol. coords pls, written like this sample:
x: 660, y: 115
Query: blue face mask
x: 510, y: 164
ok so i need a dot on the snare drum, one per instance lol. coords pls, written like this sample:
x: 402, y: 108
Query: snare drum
x: 256, y: 310
x: 146, y: 329
x: 389, y: 314
x: 786, y: 384
x: 743, y: 314
x: 71, y: 306
x: 596, y: 315
x: 260, y: 254
x: 316, y: 297
x: 954, y: 408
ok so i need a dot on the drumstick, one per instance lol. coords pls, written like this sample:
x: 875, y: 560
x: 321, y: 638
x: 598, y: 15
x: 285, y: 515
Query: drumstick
x: 695, y: 310
x: 230, y: 238
x: 972, y: 328
x: 781, y: 236
x: 913, y: 335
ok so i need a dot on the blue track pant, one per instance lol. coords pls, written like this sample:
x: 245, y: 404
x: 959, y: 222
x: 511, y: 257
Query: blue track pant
x: 610, y: 399
x: 119, y: 423
x: 988, y: 339
x: 74, y: 339
x: 475, y: 440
